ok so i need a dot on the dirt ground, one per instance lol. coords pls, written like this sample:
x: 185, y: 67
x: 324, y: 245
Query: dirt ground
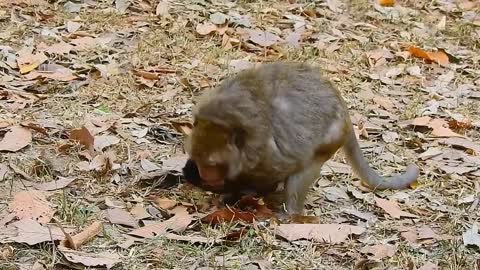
x: 129, y: 73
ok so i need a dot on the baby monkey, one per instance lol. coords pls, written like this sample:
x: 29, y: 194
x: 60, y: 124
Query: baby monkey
x: 276, y: 124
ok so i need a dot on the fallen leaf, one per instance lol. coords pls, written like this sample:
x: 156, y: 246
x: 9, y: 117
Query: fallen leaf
x: 165, y: 203
x: 3, y: 171
x: 205, y: 28
x: 6, y: 252
x: 471, y: 236
x: 174, y: 163
x: 162, y: 9
x: 106, y: 258
x: 236, y: 235
x: 386, y: 3
x: 262, y: 38
x: 379, y: 251
x: 439, y: 56
x: 52, y: 71
x: 391, y: 207
x: 30, y: 232
x: 149, y: 166
x: 429, y: 266
x: 122, y: 217
x: 84, y: 43
x: 238, y: 65
x: 57, y: 48
x: 121, y: 5
x: 84, y: 137
x: 256, y: 206
x: 335, y: 193
x: 330, y: 233
x: 177, y: 223
x: 60, y: 183
x: 139, y: 212
x: 27, y: 61
x: 104, y: 141
x: 218, y: 18
x: 462, y: 143
x: 72, y: 27
x: 439, y: 126
x: 17, y: 138
x: 31, y: 204
x: 384, y: 103
x: 227, y: 215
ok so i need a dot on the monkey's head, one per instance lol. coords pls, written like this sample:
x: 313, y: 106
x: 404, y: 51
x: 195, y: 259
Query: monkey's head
x: 215, y: 149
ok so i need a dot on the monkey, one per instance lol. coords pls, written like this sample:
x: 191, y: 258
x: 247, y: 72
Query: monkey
x: 276, y: 123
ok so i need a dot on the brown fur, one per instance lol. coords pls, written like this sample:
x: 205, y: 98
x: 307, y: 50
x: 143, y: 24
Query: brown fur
x: 275, y: 124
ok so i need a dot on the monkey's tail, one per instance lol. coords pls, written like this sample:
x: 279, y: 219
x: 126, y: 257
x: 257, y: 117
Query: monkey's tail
x: 367, y: 174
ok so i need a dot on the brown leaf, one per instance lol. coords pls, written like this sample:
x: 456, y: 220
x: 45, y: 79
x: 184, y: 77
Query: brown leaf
x: 330, y: 233
x: 84, y: 137
x: 262, y: 38
x: 57, y: 48
x: 183, y: 127
x: 149, y: 166
x: 106, y: 258
x: 3, y: 171
x: 27, y: 61
x: 165, y: 203
x: 227, y: 215
x: 177, y: 223
x: 52, y: 71
x: 462, y: 143
x: 439, y: 56
x: 139, y: 212
x: 104, y: 141
x: 31, y: 232
x: 16, y: 139
x: 84, y: 43
x: 379, y: 251
x: 236, y: 235
x: 392, y: 208
x: 256, y: 206
x: 384, y: 103
x: 439, y: 126
x: 31, y: 204
x: 60, y: 183
x: 429, y: 266
x: 175, y: 163
x: 162, y: 9
x: 122, y: 217
x: 205, y: 28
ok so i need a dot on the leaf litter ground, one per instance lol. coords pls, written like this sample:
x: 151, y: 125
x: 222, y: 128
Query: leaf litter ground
x: 96, y: 98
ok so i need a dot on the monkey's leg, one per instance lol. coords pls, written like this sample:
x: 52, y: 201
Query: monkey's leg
x: 298, y: 185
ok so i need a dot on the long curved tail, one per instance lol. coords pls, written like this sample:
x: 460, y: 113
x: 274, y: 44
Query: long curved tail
x: 367, y: 174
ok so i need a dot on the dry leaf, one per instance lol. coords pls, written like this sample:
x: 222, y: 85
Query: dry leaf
x: 174, y: 163
x: 392, y: 208
x: 57, y: 48
x: 262, y: 38
x: 227, y: 215
x: 379, y: 251
x: 439, y: 56
x: 27, y: 61
x: 139, y: 212
x: 149, y: 166
x: 177, y: 223
x: 84, y: 137
x: 471, y: 236
x: 31, y: 204
x: 429, y: 266
x: 122, y: 217
x: 104, y: 141
x: 162, y: 9
x: 60, y: 183
x: 106, y: 258
x: 52, y: 71
x: 205, y: 28
x: 72, y: 27
x: 218, y: 18
x: 16, y: 139
x: 330, y: 233
x: 462, y: 143
x: 31, y: 232
x: 165, y: 203
x: 3, y: 171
